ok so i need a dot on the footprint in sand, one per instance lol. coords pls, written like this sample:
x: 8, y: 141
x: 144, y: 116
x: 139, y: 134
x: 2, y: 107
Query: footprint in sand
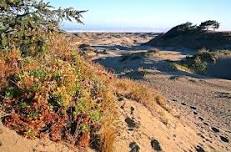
x: 132, y: 110
x: 215, y: 129
x: 120, y: 98
x: 134, y: 147
x: 130, y: 123
x: 183, y: 104
x: 199, y: 149
x: 193, y: 108
x: 195, y: 113
x: 224, y: 139
x: 201, y: 119
x: 174, y: 100
x: 156, y: 145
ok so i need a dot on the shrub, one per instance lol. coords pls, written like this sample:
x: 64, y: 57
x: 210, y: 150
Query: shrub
x: 57, y: 94
x: 197, y: 63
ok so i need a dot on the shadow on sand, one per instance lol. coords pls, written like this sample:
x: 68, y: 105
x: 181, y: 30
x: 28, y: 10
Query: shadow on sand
x: 137, y: 67
x: 221, y: 69
x: 140, y: 47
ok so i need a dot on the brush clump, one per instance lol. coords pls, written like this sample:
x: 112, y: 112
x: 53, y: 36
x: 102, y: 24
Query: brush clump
x: 57, y: 94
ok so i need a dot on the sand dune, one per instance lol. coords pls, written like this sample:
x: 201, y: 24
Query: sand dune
x: 200, y: 102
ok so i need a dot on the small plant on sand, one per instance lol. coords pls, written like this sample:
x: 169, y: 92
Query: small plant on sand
x: 197, y: 63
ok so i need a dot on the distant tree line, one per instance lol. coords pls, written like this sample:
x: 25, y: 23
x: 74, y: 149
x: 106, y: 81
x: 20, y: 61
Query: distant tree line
x: 189, y: 27
x: 210, y: 24
x: 204, y: 26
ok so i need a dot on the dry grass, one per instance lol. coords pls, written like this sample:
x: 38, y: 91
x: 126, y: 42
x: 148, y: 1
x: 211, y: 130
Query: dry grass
x: 145, y: 95
x: 133, y: 90
x: 141, y: 93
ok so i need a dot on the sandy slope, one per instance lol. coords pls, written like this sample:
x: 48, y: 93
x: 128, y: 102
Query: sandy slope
x: 149, y: 129
x: 204, y: 104
x: 200, y: 102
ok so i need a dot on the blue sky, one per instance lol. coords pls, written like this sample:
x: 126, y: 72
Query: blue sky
x: 146, y: 15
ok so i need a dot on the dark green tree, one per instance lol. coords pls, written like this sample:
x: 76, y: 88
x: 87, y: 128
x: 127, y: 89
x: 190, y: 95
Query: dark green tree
x: 24, y: 24
x: 210, y: 24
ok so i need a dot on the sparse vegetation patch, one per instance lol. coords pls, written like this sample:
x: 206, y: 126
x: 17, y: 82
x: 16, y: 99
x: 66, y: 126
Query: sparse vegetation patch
x: 199, y: 62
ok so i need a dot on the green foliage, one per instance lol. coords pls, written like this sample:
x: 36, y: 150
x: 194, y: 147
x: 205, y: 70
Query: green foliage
x: 38, y: 73
x: 24, y: 24
x: 200, y: 67
x: 33, y: 114
x: 11, y: 92
x: 30, y: 134
x: 198, y: 62
x: 209, y: 24
x: 81, y: 106
x: 56, y: 100
x: 95, y: 115
x: 58, y: 76
x: 84, y: 128
x: 22, y: 105
x: 188, y: 27
x: 35, y: 87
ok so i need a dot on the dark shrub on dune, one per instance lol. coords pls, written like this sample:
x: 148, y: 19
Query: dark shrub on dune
x: 192, y: 36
